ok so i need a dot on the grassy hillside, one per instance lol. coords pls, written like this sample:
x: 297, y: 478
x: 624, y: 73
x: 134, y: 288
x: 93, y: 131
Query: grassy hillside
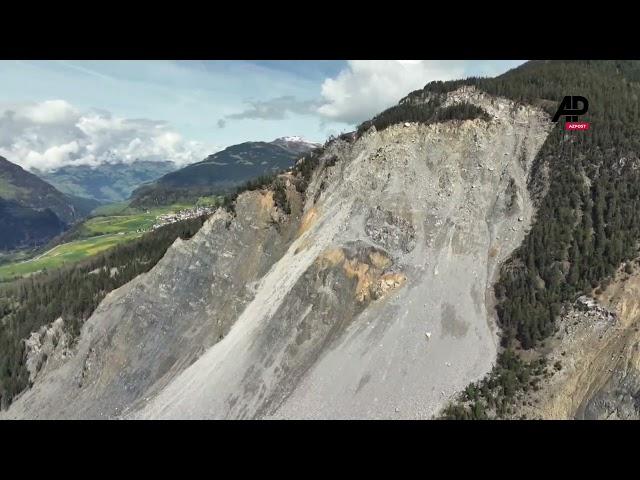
x: 65, y: 254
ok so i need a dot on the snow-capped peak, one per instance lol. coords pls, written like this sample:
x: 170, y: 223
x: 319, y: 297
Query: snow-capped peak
x: 293, y: 139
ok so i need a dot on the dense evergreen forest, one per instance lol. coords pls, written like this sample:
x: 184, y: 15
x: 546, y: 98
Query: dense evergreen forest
x: 428, y: 112
x: 155, y: 195
x: 587, y: 223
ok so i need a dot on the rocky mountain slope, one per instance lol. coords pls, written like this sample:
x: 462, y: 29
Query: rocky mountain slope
x: 596, y: 352
x: 372, y: 298
x: 223, y: 171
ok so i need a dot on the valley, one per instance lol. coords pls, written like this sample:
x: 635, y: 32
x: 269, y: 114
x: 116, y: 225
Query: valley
x: 106, y: 183
x: 65, y: 254
x: 98, y: 234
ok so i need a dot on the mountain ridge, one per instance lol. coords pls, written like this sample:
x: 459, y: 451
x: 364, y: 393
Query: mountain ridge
x: 223, y: 171
x: 30, y: 205
x: 106, y: 183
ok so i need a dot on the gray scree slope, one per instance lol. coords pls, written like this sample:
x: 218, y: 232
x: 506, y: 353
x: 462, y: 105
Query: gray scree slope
x: 323, y: 313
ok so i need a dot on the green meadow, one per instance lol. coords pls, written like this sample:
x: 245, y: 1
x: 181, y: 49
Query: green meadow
x: 114, y: 224
x: 63, y: 254
x: 125, y: 222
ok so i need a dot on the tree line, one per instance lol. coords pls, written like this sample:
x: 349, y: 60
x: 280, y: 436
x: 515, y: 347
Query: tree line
x: 425, y: 113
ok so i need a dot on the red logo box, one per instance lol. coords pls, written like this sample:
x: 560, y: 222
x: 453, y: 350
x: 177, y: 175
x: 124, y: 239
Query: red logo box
x: 576, y: 126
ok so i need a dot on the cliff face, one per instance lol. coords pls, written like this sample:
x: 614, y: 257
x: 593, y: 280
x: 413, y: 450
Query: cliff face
x: 371, y: 299
x: 619, y: 394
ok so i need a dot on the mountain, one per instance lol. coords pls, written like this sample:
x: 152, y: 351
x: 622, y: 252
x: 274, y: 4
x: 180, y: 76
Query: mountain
x: 31, y: 210
x: 223, y: 171
x: 381, y: 244
x: 107, y: 183
x: 459, y: 256
x: 24, y: 226
x: 295, y: 144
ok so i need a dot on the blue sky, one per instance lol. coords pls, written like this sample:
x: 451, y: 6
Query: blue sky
x: 171, y: 108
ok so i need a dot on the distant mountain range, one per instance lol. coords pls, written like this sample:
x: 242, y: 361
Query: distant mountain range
x: 35, y: 207
x: 31, y: 210
x: 224, y: 170
x: 107, y: 183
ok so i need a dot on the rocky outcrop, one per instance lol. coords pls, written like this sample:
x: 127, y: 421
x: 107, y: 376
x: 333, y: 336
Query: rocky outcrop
x: 322, y: 312
x: 596, y: 358
x: 49, y: 347
x: 619, y: 396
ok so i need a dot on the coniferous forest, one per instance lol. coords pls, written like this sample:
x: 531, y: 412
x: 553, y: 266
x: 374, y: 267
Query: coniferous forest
x: 587, y: 222
x: 430, y: 112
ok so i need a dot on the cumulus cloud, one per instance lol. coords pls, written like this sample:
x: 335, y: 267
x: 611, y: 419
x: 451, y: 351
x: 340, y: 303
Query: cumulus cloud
x: 361, y: 90
x: 366, y: 87
x: 52, y: 134
x: 48, y: 112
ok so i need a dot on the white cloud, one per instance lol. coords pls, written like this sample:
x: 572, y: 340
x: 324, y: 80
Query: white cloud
x: 361, y: 90
x: 52, y: 134
x: 367, y: 87
x: 55, y: 155
x: 49, y: 112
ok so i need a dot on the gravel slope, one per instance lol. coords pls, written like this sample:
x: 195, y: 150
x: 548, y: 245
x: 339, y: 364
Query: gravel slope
x: 454, y: 204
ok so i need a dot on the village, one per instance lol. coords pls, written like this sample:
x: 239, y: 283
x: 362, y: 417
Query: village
x: 185, y: 214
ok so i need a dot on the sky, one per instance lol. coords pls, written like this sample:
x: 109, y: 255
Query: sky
x: 57, y: 113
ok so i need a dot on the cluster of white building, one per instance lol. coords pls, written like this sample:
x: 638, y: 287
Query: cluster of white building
x: 194, y: 212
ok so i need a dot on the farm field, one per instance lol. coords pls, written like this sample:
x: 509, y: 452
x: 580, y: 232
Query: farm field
x: 97, y: 234
x: 126, y: 220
